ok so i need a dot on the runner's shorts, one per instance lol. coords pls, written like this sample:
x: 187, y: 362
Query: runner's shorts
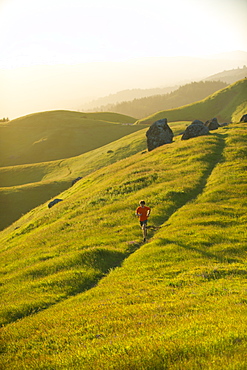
x: 143, y: 222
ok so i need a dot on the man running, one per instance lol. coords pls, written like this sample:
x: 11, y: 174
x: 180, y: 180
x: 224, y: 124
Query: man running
x: 143, y: 213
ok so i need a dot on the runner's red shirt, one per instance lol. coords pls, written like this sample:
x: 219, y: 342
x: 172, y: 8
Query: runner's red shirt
x: 143, y: 212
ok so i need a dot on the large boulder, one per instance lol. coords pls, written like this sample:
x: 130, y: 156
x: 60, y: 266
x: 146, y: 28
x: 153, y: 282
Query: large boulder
x: 212, y: 124
x: 159, y: 133
x: 195, y: 129
x: 244, y: 118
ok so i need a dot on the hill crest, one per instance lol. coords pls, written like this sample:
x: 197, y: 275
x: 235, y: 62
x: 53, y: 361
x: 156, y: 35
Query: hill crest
x: 52, y: 135
x: 185, y: 94
x: 227, y: 105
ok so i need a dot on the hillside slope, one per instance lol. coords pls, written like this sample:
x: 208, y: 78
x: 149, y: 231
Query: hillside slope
x: 80, y: 291
x: 125, y: 95
x: 52, y: 135
x: 228, y: 105
x: 186, y: 94
x: 113, y: 101
x: 24, y: 187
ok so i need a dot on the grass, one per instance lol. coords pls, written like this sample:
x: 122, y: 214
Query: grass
x: 23, y: 187
x: 228, y: 105
x: 80, y: 291
x: 99, y: 192
x: 64, y: 145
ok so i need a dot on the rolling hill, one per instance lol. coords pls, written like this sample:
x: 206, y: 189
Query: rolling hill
x: 24, y: 187
x: 79, y: 289
x: 40, y: 137
x: 230, y: 76
x: 52, y: 135
x: 125, y: 95
x: 227, y: 104
x: 132, y: 101
x: 59, y: 134
x: 186, y: 94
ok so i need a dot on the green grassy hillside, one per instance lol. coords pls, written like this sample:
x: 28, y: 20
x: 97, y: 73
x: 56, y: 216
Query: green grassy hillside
x: 228, y: 105
x: 24, y: 187
x: 79, y: 290
x: 52, y: 135
x: 58, y: 134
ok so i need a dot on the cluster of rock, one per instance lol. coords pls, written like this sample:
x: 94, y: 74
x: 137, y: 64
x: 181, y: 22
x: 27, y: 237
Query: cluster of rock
x: 198, y: 128
x: 159, y: 133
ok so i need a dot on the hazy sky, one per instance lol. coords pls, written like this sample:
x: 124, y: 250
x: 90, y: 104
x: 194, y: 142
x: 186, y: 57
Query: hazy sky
x: 75, y: 31
x: 58, y: 54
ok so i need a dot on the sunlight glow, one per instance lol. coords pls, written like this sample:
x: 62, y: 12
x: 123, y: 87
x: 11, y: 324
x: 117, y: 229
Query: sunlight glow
x: 73, y: 31
x: 57, y: 54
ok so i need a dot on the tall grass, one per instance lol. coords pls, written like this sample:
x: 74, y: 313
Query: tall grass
x: 177, y: 302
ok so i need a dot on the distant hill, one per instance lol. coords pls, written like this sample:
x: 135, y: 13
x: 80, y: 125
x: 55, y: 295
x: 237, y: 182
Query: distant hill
x: 186, y: 94
x: 52, y: 135
x: 230, y: 76
x: 113, y: 102
x: 124, y: 95
x: 228, y: 105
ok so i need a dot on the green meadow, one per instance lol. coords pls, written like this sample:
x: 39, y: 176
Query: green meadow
x: 79, y: 288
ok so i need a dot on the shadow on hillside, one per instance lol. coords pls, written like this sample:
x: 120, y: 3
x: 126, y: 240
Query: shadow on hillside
x: 233, y: 128
x: 204, y: 253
